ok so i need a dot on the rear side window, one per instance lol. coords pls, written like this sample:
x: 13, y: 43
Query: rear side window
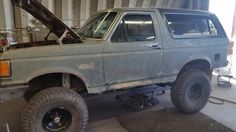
x: 134, y: 28
x: 182, y: 25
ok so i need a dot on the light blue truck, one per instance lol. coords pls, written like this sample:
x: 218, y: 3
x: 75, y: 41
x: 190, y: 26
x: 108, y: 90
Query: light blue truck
x: 115, y: 49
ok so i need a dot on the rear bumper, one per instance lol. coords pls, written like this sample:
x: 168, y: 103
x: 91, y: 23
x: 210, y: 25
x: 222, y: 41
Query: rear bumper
x: 9, y: 93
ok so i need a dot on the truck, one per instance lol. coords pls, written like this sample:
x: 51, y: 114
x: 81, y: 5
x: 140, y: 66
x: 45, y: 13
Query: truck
x: 116, y: 49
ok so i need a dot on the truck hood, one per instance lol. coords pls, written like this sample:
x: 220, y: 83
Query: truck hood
x: 41, y: 13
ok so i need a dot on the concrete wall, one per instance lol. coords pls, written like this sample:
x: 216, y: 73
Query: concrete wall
x: 76, y: 12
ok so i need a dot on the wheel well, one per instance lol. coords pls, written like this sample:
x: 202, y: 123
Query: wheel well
x: 53, y: 80
x: 202, y: 65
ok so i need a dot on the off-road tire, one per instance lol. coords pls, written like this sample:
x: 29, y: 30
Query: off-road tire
x: 210, y: 75
x: 191, y: 91
x: 46, y: 100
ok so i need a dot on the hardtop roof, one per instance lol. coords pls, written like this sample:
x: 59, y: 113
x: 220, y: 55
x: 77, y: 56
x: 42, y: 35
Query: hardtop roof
x: 163, y: 10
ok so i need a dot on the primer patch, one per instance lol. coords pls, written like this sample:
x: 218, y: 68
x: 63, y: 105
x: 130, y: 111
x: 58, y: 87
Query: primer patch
x: 86, y: 66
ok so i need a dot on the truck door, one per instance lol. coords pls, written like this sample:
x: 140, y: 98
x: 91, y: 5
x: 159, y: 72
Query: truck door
x: 134, y: 52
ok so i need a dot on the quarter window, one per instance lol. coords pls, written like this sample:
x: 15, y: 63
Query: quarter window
x: 134, y: 28
x: 191, y: 25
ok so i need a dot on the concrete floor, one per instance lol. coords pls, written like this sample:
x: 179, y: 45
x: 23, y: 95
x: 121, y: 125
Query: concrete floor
x: 226, y: 112
x: 108, y: 114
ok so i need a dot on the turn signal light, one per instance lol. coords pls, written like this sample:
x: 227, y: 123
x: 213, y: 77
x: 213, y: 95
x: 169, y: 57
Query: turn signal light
x: 5, y: 68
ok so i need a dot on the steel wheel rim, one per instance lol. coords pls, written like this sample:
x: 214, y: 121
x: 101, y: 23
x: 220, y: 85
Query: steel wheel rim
x: 57, y: 119
x: 195, y: 92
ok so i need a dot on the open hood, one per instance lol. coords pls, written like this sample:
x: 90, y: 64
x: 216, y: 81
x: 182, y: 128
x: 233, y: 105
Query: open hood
x: 41, y: 13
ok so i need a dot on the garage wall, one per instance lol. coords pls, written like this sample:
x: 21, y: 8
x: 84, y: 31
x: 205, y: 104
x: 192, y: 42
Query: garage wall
x: 2, y: 15
x: 76, y: 12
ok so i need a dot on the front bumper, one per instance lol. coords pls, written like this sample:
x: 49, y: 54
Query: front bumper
x: 9, y: 93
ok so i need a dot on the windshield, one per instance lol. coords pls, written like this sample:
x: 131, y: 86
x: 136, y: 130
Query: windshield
x: 97, y: 25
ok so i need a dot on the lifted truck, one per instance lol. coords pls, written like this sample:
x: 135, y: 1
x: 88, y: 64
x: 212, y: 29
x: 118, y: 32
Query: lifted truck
x: 115, y: 49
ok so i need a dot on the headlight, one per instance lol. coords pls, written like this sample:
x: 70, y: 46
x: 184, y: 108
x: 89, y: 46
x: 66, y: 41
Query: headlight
x: 5, y: 68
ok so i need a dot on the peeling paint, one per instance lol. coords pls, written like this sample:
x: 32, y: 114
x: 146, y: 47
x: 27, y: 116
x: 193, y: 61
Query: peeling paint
x: 89, y: 66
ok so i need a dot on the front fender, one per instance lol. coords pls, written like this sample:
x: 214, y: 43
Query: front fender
x: 49, y: 70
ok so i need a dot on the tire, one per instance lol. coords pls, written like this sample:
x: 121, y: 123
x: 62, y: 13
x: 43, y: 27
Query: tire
x: 32, y: 90
x: 191, y: 91
x: 210, y: 74
x: 55, y: 109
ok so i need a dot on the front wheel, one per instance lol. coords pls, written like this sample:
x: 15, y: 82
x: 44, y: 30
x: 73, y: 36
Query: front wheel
x: 191, y: 91
x: 55, y: 110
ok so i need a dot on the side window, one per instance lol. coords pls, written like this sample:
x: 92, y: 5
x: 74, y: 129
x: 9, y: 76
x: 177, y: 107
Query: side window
x: 134, y: 28
x: 191, y: 25
x: 119, y: 35
x: 212, y: 27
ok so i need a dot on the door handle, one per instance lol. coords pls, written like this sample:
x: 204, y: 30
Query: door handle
x: 155, y: 46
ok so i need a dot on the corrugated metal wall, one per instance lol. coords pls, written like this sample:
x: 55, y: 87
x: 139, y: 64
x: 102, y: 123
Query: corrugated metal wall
x: 82, y: 9
x: 2, y: 15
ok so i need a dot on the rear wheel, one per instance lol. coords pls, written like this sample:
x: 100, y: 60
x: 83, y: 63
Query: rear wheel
x: 191, y: 91
x: 210, y: 74
x: 55, y: 110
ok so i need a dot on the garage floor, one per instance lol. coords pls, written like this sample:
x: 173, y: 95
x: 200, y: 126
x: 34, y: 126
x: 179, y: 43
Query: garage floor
x: 110, y: 115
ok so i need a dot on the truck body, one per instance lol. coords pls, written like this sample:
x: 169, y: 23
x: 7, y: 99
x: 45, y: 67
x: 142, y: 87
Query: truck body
x: 116, y: 49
